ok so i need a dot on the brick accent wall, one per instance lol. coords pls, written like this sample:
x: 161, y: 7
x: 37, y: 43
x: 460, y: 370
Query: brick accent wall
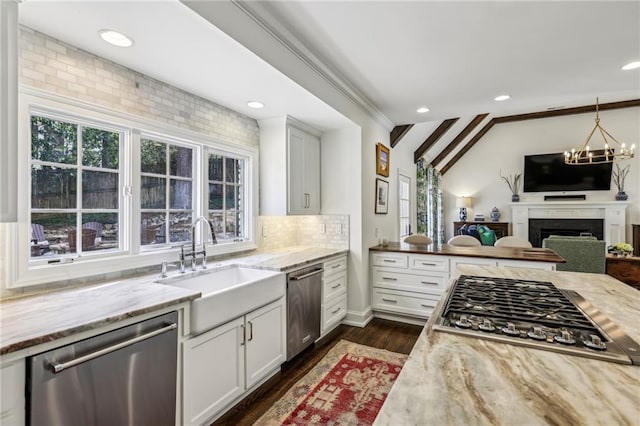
x: 49, y: 64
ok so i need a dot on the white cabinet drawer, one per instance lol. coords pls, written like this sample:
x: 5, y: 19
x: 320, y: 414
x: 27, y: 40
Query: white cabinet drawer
x: 425, y: 282
x: 429, y: 263
x: 547, y: 266
x: 460, y: 260
x: 334, y: 266
x: 402, y: 302
x: 390, y: 260
x: 333, y: 312
x: 334, y: 285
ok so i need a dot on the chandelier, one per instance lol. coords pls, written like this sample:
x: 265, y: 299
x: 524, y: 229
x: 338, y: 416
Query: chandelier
x: 585, y: 155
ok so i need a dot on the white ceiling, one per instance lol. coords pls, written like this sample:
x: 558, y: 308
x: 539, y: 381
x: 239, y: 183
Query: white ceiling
x: 453, y: 57
x: 175, y: 45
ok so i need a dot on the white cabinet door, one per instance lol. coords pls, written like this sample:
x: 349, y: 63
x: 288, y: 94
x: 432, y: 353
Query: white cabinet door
x: 213, y: 371
x: 297, y: 198
x: 303, y: 172
x: 266, y: 341
x: 312, y: 173
x: 12, y: 402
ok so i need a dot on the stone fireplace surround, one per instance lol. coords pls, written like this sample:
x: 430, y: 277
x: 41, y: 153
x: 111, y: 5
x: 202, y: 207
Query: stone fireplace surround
x: 612, y: 213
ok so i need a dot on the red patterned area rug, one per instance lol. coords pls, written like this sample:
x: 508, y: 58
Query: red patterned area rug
x: 347, y: 387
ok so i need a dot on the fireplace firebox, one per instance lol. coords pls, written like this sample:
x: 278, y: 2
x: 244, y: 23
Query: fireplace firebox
x: 539, y: 229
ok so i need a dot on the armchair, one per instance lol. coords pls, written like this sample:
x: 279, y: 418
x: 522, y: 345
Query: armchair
x: 582, y: 254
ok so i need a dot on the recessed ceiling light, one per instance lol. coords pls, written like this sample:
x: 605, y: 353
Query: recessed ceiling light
x: 422, y: 110
x: 631, y: 66
x: 501, y: 98
x: 115, y: 38
x: 255, y: 104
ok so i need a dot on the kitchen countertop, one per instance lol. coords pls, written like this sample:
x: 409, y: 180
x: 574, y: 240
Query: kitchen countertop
x: 459, y: 380
x: 513, y: 253
x: 289, y: 258
x: 40, y: 318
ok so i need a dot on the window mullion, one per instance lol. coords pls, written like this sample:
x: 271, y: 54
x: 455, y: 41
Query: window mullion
x: 79, y: 190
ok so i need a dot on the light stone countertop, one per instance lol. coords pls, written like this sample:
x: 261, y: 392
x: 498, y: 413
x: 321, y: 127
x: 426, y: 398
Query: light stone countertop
x: 457, y: 380
x: 40, y: 318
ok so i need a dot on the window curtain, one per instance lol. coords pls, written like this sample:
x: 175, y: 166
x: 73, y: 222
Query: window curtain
x: 429, y: 199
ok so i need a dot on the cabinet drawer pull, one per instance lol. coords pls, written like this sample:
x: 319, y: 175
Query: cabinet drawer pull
x: 389, y: 278
x: 336, y: 286
x: 425, y: 306
x: 428, y: 264
x: 250, y: 331
x: 389, y: 260
x: 427, y: 282
x: 389, y: 300
x: 244, y: 335
x: 335, y: 312
x: 336, y: 266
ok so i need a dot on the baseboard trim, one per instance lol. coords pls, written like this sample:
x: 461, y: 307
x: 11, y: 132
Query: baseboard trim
x: 400, y: 318
x: 358, y: 319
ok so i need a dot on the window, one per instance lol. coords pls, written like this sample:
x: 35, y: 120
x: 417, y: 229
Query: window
x: 75, y: 177
x: 166, y: 192
x: 226, y: 209
x: 404, y: 207
x: 107, y: 192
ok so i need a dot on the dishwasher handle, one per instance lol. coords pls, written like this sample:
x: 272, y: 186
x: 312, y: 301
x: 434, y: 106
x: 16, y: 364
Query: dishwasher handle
x: 57, y: 367
x: 310, y: 274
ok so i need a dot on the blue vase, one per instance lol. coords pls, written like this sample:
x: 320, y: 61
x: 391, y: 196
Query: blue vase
x: 621, y: 196
x: 515, y: 198
x: 495, y: 214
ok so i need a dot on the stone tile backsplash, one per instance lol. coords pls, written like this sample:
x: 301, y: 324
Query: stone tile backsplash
x: 54, y: 66
x: 329, y: 231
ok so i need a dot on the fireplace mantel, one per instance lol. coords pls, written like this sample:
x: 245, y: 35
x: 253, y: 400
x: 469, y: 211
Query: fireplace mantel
x: 612, y: 212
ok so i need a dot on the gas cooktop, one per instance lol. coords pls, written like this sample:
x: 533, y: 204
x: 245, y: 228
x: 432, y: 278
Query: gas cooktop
x: 534, y: 314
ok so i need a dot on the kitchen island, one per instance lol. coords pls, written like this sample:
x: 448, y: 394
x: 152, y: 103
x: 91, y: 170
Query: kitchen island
x: 486, y: 252
x: 407, y: 280
x: 458, y: 380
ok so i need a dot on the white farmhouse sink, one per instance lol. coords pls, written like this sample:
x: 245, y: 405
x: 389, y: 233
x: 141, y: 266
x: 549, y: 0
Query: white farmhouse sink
x: 228, y: 293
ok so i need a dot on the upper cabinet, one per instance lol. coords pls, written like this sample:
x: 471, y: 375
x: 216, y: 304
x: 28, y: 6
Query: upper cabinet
x: 8, y: 108
x: 289, y: 168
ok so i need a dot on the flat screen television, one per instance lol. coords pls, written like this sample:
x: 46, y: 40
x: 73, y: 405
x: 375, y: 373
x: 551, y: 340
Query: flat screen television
x: 548, y: 173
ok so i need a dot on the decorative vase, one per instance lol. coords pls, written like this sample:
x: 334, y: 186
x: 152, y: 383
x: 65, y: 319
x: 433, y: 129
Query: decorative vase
x: 495, y: 214
x: 463, y: 214
x: 515, y: 198
x: 621, y: 196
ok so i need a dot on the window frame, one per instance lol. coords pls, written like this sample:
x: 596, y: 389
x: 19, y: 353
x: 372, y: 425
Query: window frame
x: 20, y: 272
x: 404, y: 176
x: 80, y: 209
x: 245, y: 189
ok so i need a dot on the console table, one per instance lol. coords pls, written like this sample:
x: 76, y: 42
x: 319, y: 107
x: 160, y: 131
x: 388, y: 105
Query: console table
x: 625, y: 269
x: 636, y: 239
x: 500, y: 228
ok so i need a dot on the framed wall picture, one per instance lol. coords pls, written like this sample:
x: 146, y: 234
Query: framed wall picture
x: 382, y: 160
x: 382, y: 196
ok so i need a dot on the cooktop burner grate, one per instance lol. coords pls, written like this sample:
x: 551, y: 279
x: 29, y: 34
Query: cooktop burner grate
x: 534, y: 314
x: 523, y: 300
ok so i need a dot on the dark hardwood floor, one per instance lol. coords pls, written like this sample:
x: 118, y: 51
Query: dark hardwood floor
x: 390, y: 335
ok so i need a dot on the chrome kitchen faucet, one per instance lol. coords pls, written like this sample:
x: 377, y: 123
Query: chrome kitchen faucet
x: 212, y: 240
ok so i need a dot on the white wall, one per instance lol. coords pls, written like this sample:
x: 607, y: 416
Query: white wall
x: 503, y: 148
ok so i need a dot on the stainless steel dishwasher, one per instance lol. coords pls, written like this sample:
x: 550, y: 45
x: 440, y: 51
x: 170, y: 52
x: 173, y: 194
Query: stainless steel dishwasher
x: 123, y: 377
x: 304, y: 292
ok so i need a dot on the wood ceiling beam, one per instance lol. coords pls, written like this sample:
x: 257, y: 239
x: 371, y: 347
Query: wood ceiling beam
x: 568, y: 111
x: 398, y: 133
x: 468, y: 146
x: 459, y: 138
x: 535, y: 115
x: 434, y: 137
